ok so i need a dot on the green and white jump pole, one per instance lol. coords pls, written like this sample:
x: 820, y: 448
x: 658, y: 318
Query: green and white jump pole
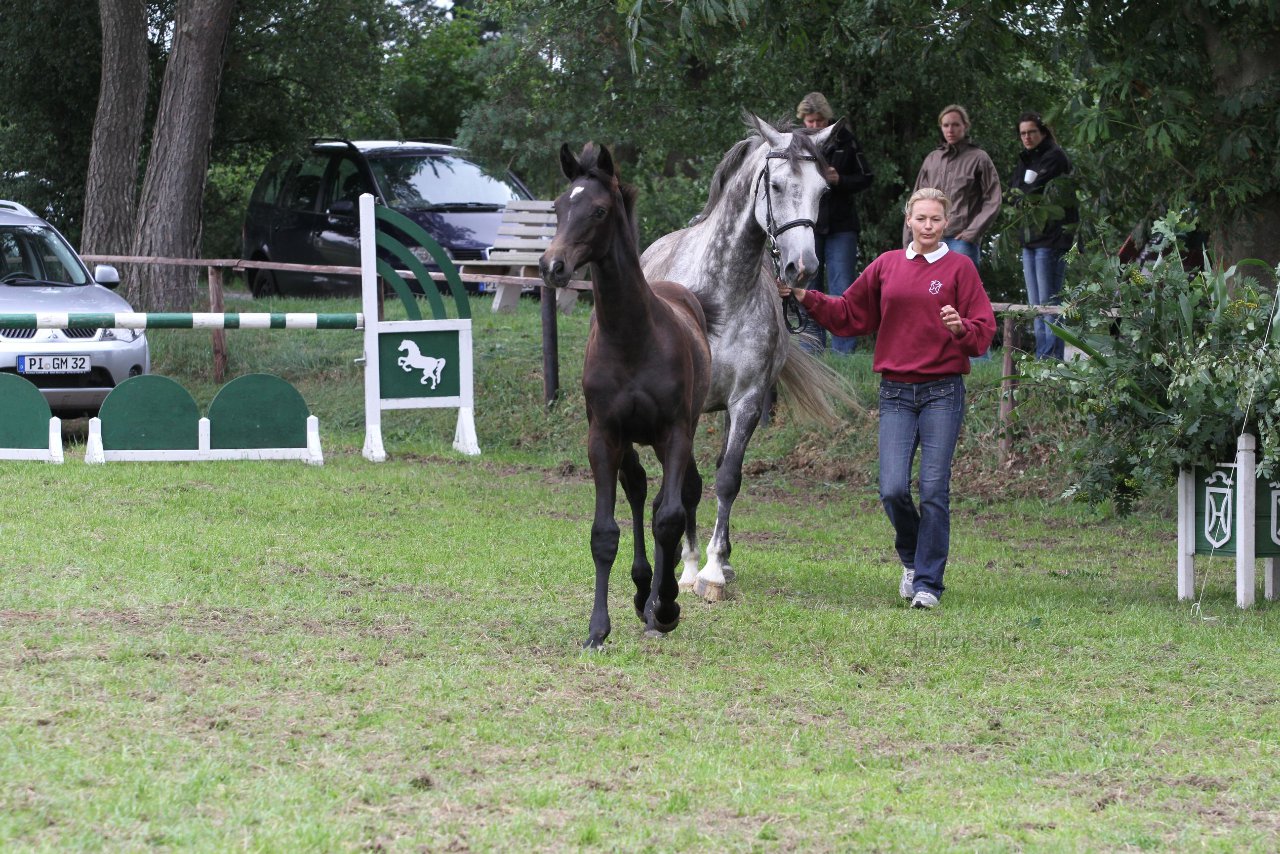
x: 181, y: 320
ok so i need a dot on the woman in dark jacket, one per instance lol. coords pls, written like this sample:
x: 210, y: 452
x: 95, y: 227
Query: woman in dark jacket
x: 836, y: 232
x: 1044, y: 243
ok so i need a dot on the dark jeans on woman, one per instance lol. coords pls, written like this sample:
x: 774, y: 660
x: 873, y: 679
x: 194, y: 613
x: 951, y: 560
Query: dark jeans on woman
x: 1044, y: 269
x: 925, y: 416
x: 964, y: 247
x: 838, y: 262
x: 838, y: 253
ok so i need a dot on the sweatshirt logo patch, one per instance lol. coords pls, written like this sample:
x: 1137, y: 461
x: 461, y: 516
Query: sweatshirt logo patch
x: 935, y: 287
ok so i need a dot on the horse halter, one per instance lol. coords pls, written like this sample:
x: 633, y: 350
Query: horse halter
x: 790, y: 306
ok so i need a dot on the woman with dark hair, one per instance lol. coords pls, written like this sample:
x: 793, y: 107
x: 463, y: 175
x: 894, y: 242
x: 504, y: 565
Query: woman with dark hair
x: 1045, y: 238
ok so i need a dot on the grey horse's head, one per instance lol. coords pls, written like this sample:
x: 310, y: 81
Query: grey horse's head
x: 787, y: 194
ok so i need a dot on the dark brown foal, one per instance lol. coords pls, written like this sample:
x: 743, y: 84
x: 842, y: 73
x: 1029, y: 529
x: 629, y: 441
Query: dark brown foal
x: 645, y: 379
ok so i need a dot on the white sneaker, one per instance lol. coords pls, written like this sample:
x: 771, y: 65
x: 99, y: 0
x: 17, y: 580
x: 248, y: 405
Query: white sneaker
x: 924, y: 599
x: 905, y: 590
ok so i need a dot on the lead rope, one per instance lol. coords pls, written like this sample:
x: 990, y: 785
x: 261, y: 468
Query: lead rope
x: 792, y: 317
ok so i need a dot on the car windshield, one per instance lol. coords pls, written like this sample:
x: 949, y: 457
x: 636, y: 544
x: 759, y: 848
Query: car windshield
x: 36, y: 253
x: 439, y: 181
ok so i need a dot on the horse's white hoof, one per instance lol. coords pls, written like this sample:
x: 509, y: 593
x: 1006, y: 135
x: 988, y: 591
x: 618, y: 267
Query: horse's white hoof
x: 686, y: 587
x: 710, y: 591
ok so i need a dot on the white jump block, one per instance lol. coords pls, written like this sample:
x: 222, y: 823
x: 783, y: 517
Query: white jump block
x: 1230, y: 519
x: 95, y: 454
x: 52, y: 454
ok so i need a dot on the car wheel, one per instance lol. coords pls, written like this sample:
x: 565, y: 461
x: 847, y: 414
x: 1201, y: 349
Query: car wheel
x: 262, y: 284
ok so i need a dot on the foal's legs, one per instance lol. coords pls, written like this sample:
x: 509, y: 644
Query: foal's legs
x: 690, y: 497
x: 669, y: 522
x: 741, y: 419
x: 603, y: 452
x: 635, y: 485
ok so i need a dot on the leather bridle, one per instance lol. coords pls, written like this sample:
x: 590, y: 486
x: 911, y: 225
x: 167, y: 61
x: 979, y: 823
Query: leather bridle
x: 790, y: 306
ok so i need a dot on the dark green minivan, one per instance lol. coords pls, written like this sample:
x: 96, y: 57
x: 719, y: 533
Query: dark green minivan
x: 303, y: 209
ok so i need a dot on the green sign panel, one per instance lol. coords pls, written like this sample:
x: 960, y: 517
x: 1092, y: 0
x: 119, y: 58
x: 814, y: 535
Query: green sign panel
x: 1216, y: 508
x: 419, y: 364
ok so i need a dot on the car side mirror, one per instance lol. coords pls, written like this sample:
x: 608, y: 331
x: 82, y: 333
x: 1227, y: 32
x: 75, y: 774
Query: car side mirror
x: 342, y: 207
x: 107, y: 276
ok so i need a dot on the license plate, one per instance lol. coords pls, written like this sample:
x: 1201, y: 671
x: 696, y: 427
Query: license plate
x: 54, y: 364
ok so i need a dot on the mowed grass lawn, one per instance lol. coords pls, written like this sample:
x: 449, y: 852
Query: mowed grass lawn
x: 277, y: 657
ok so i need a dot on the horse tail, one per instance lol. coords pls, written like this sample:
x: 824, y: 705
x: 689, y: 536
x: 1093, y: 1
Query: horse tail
x: 710, y: 311
x: 812, y: 389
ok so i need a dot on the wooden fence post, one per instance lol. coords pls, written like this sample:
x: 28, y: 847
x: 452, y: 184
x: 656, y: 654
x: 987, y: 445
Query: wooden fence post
x: 550, y: 347
x: 219, y: 336
x: 1004, y: 424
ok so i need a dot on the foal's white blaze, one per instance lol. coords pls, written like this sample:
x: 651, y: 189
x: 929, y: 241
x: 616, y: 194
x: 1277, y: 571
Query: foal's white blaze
x: 574, y: 193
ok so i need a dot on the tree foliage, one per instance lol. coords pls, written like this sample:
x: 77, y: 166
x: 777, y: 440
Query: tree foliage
x: 1176, y: 106
x: 662, y: 83
x: 1124, y: 85
x: 293, y: 69
x: 46, y: 117
x: 433, y: 75
x: 1157, y: 104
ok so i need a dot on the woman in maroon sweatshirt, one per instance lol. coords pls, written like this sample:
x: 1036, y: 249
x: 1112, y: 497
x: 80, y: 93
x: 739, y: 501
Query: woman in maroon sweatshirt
x: 930, y: 313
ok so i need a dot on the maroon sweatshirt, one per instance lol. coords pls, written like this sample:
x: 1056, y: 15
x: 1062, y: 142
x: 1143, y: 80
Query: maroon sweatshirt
x: 899, y: 298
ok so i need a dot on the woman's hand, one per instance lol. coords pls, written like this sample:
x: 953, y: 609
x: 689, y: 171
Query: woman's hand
x: 785, y: 290
x: 952, y: 320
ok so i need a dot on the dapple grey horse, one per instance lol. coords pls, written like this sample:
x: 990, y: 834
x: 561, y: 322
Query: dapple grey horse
x: 757, y: 224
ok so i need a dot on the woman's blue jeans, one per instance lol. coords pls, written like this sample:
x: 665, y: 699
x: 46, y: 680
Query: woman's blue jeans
x: 964, y: 247
x: 1044, y: 270
x: 925, y: 416
x: 839, y: 255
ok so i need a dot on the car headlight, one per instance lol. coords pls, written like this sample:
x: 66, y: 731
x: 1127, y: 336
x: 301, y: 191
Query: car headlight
x: 125, y: 335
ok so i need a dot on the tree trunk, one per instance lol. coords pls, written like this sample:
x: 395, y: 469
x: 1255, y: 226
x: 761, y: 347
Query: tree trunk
x: 168, y: 223
x: 111, y: 188
x: 1240, y: 63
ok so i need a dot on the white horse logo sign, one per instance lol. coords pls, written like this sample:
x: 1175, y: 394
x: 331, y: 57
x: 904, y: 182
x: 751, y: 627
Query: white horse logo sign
x: 415, y: 361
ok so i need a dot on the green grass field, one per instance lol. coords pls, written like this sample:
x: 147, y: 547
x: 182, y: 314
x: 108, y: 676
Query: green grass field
x: 277, y: 657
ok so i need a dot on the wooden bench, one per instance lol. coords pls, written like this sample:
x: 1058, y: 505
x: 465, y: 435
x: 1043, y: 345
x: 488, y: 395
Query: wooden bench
x: 524, y: 234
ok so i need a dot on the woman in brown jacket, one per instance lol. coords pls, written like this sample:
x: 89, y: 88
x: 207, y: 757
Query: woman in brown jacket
x: 965, y: 173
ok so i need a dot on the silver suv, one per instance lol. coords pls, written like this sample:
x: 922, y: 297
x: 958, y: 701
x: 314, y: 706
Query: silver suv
x: 75, y: 369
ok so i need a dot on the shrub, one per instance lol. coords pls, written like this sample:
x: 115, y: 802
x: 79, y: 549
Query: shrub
x: 1179, y: 363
